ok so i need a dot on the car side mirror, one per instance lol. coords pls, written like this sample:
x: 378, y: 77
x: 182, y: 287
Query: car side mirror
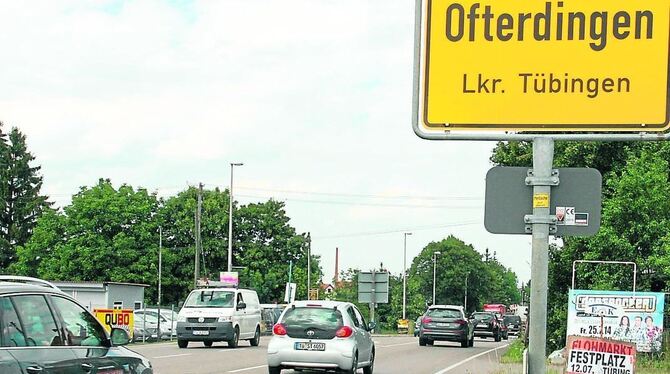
x: 119, y: 336
x: 372, y: 325
x: 180, y: 305
x: 241, y: 305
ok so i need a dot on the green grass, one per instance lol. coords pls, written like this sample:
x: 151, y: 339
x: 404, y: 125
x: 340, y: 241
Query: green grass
x: 514, y: 354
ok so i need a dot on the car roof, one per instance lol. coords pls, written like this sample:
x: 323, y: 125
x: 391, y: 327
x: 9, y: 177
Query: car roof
x: 459, y: 307
x: 320, y: 303
x: 14, y: 287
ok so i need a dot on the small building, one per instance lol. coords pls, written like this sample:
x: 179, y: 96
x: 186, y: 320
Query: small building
x: 105, y: 295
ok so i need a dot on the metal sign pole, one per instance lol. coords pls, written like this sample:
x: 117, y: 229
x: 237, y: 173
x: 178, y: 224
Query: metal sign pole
x: 543, y: 154
x: 372, y: 296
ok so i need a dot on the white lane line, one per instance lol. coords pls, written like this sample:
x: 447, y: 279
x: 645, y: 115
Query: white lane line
x: 233, y: 350
x: 395, y: 345
x: 469, y: 359
x: 179, y: 355
x: 245, y: 369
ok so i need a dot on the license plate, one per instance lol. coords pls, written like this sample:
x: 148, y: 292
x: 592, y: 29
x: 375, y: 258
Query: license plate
x: 482, y: 325
x: 309, y: 346
x: 200, y: 332
x: 443, y: 324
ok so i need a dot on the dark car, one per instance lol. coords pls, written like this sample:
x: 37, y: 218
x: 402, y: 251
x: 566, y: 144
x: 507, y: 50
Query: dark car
x: 487, y: 325
x: 446, y: 323
x: 513, y: 323
x: 43, y: 330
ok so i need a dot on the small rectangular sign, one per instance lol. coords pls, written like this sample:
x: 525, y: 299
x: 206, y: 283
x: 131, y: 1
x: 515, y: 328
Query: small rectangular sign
x: 599, y: 356
x: 543, y: 65
x: 119, y: 318
x: 541, y: 200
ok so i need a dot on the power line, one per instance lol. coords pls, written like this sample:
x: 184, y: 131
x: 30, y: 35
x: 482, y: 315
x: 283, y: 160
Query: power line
x: 336, y: 202
x: 418, y: 228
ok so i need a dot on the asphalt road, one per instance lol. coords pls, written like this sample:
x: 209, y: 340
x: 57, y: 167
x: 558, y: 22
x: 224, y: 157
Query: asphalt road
x: 397, y: 354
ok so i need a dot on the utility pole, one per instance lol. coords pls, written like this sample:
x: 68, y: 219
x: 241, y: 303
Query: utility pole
x: 160, y: 273
x: 230, y: 217
x: 543, y: 154
x: 465, y: 302
x: 309, y: 265
x: 198, y: 244
x: 404, y: 276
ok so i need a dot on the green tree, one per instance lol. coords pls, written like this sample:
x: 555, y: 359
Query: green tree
x: 634, y: 224
x: 21, y: 201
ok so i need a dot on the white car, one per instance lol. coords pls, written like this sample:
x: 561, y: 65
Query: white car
x: 220, y: 314
x: 168, y: 320
x: 326, y: 335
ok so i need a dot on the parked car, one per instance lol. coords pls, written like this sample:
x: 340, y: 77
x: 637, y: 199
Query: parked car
x: 487, y: 325
x: 513, y: 323
x: 144, y: 328
x: 168, y: 323
x: 324, y: 335
x: 446, y: 323
x: 220, y: 314
x: 270, y: 314
x: 38, y: 318
x: 417, y: 325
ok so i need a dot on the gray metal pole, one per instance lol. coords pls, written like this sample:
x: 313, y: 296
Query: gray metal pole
x: 373, y: 299
x: 434, y: 273
x: 465, y: 301
x: 309, y: 265
x: 404, y: 275
x: 230, y: 222
x: 197, y: 236
x: 160, y: 272
x: 543, y: 154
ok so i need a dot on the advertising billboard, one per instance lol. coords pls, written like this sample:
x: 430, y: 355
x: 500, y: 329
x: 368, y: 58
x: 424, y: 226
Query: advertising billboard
x: 635, y: 317
x: 119, y: 318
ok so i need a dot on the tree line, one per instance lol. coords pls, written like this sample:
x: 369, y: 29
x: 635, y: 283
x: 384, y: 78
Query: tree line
x: 488, y: 281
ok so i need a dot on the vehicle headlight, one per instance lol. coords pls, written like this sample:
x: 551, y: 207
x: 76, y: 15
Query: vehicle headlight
x: 181, y: 318
x: 225, y: 319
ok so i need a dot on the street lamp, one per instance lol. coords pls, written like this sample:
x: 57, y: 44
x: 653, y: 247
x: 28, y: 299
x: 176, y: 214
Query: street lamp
x: 404, y: 277
x: 435, y: 254
x: 230, y: 218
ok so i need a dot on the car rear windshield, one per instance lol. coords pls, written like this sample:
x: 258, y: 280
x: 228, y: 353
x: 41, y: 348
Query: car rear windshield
x: 312, y: 322
x: 513, y: 319
x: 210, y: 299
x: 483, y: 316
x: 444, y: 313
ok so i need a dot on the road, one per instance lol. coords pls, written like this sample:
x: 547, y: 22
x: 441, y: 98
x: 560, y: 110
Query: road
x: 395, y: 354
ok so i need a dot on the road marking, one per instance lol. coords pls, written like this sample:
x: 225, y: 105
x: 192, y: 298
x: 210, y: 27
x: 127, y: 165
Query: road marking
x: 395, y: 345
x: 245, y: 369
x: 469, y: 359
x: 181, y: 354
x: 233, y: 350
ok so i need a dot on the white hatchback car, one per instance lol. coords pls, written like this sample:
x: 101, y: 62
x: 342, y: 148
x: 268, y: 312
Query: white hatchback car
x: 327, y: 335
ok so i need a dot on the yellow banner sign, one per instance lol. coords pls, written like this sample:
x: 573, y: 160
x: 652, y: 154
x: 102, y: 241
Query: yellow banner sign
x: 119, y: 318
x: 570, y: 65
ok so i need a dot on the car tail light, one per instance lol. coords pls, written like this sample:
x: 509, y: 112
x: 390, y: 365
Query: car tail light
x: 461, y: 322
x: 344, y: 332
x: 426, y: 320
x: 279, y: 329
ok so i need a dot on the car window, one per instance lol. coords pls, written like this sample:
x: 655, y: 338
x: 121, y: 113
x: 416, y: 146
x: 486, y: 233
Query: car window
x: 324, y: 318
x: 81, y: 328
x: 12, y: 331
x: 38, y: 320
x: 352, y: 315
x: 360, y: 318
x: 444, y: 313
x: 483, y: 316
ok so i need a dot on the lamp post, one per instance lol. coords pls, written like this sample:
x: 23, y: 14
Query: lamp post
x: 230, y: 218
x: 404, y: 277
x: 435, y: 254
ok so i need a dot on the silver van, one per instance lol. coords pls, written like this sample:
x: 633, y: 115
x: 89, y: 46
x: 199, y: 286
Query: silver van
x: 220, y: 315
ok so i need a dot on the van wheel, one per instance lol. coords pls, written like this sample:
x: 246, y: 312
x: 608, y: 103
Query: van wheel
x: 257, y: 338
x: 232, y: 343
x: 208, y: 343
x: 274, y: 369
x: 182, y: 343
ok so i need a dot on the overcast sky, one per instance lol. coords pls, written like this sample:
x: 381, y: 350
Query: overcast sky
x: 313, y: 96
